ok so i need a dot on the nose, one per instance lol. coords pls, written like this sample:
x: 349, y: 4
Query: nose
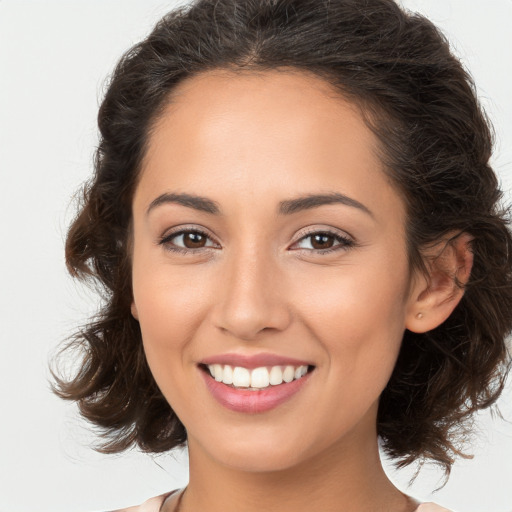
x: 251, y: 298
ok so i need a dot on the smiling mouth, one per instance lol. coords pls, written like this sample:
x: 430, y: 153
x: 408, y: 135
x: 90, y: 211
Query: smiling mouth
x: 257, y: 379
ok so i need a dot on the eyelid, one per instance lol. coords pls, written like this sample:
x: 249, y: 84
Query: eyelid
x: 345, y: 241
x: 313, y: 230
x: 309, y: 230
x: 179, y: 230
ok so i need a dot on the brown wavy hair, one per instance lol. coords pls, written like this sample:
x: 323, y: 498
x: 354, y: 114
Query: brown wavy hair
x: 436, y: 144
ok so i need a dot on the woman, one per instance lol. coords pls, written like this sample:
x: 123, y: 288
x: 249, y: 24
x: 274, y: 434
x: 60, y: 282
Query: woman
x: 299, y: 233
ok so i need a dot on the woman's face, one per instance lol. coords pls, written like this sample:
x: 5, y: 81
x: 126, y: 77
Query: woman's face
x: 266, y: 235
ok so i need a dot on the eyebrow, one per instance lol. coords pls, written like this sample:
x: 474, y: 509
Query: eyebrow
x: 202, y: 204
x: 314, y: 200
x: 287, y: 207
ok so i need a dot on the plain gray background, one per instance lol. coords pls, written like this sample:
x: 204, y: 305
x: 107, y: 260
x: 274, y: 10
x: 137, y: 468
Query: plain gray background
x: 54, y: 58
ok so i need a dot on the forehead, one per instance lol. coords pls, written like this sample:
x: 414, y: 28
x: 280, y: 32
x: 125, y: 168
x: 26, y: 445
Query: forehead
x: 264, y: 132
x: 283, y: 104
x: 239, y: 86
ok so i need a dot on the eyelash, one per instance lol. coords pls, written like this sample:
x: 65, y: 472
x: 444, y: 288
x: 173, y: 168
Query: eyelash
x: 344, y: 243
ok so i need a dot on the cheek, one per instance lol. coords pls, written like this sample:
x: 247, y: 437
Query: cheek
x: 359, y: 323
x: 169, y: 307
x: 359, y: 318
x: 168, y: 317
x: 168, y: 303
x: 168, y: 297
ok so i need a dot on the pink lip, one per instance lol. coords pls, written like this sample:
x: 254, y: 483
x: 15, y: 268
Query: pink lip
x: 254, y: 361
x: 243, y: 400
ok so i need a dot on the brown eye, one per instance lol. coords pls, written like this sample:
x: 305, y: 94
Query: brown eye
x: 193, y: 240
x: 187, y: 240
x: 322, y: 241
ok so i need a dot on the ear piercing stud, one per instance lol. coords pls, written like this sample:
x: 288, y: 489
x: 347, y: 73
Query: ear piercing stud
x: 419, y: 316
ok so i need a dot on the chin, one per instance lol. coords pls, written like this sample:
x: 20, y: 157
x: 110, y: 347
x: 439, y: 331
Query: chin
x: 259, y: 451
x: 261, y: 462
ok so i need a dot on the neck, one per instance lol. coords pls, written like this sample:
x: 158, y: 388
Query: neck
x: 347, y: 478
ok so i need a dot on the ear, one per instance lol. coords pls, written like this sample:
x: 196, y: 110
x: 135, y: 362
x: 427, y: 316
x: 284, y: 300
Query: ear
x: 434, y: 296
x: 134, y: 311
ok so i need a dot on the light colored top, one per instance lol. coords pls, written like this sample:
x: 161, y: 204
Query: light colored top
x: 155, y: 504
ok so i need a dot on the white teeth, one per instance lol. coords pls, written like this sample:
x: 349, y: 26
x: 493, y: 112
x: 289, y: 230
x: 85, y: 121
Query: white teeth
x: 241, y: 377
x: 259, y: 378
x: 217, y: 372
x: 300, y: 372
x: 276, y: 376
x: 288, y: 374
x: 228, y: 375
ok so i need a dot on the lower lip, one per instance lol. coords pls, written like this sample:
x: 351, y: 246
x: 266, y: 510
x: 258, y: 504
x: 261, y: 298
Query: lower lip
x: 243, y: 400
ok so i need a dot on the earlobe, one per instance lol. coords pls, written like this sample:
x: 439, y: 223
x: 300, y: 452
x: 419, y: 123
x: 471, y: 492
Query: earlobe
x: 134, y: 311
x: 434, y: 297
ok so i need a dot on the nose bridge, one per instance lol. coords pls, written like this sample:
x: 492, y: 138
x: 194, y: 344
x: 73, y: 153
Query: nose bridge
x: 251, y: 299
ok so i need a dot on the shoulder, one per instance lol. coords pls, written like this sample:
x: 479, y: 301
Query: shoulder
x: 430, y: 507
x: 151, y: 505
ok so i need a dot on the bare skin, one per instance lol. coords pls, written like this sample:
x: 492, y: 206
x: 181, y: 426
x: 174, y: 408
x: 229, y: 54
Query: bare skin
x: 328, y: 284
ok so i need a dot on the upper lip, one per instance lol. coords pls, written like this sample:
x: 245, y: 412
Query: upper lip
x: 254, y: 361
